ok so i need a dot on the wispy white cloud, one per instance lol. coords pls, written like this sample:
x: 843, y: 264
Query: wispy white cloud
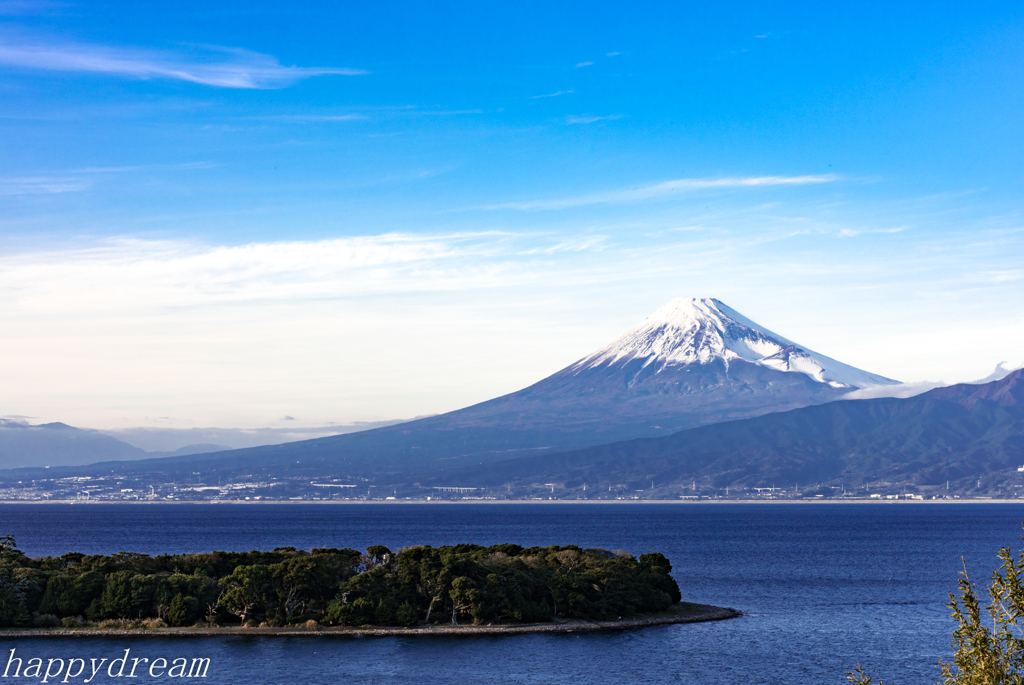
x: 445, y: 112
x: 312, y: 117
x: 666, y: 189
x: 176, y: 274
x: 590, y: 119
x: 367, y: 113
x: 612, y: 54
x: 905, y: 390
x: 900, y: 391
x: 142, y: 167
x: 550, y: 95
x: 1001, y: 372
x: 571, y: 244
x: 78, y: 179
x: 207, y: 65
x: 40, y: 185
x: 854, y: 232
x: 580, y: 65
x: 1005, y: 275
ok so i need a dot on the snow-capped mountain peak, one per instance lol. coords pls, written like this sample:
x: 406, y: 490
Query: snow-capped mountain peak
x: 703, y: 330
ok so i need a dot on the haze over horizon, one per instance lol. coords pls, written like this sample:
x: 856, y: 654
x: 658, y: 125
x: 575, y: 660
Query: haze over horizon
x: 239, y: 217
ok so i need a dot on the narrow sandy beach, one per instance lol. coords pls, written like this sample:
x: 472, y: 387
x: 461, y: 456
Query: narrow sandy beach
x: 684, y: 613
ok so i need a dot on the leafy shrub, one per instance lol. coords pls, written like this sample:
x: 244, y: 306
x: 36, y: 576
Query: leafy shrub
x: 70, y: 595
x: 13, y: 611
x: 45, y: 621
x: 183, y: 610
x: 405, y: 615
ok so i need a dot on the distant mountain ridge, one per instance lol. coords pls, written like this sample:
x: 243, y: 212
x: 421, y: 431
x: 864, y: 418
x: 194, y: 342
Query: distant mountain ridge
x: 948, y: 434
x: 58, y: 444
x: 693, y: 362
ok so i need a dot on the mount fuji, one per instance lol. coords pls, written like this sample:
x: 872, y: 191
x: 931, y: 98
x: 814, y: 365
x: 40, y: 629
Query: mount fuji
x: 693, y: 362
x: 704, y: 331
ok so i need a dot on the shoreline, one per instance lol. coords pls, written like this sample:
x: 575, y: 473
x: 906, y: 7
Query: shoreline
x: 516, y: 501
x: 684, y: 613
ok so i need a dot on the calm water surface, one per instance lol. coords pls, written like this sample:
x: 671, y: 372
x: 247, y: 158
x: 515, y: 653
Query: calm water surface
x: 823, y: 587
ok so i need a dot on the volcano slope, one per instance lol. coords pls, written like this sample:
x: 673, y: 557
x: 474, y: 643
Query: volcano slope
x: 956, y: 433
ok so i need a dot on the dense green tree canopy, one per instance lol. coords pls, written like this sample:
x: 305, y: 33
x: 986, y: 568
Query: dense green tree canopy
x: 457, y: 584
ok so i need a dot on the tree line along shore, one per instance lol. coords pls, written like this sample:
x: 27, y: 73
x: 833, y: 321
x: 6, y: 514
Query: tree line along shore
x: 415, y: 586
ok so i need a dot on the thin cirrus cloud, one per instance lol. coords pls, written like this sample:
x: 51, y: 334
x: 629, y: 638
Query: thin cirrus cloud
x: 550, y: 95
x: 312, y: 118
x: 77, y: 179
x: 589, y: 119
x: 39, y: 185
x: 143, y: 167
x: 854, y: 232
x: 206, y: 65
x: 666, y: 189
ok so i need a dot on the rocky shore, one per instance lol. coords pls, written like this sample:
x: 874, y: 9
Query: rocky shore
x: 682, y: 613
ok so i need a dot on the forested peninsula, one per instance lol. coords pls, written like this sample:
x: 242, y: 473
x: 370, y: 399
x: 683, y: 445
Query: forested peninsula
x: 461, y: 585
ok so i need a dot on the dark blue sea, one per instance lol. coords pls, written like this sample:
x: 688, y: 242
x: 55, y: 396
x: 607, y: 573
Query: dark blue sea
x: 822, y: 587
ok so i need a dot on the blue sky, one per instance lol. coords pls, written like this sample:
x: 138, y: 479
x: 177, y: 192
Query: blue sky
x: 229, y: 213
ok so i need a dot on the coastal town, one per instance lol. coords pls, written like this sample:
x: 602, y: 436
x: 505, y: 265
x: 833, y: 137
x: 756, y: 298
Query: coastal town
x: 115, y: 488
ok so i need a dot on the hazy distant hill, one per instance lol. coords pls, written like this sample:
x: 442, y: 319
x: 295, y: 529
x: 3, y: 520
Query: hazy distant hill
x: 952, y: 433
x: 693, y: 362
x: 165, y: 439
x: 58, y: 444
